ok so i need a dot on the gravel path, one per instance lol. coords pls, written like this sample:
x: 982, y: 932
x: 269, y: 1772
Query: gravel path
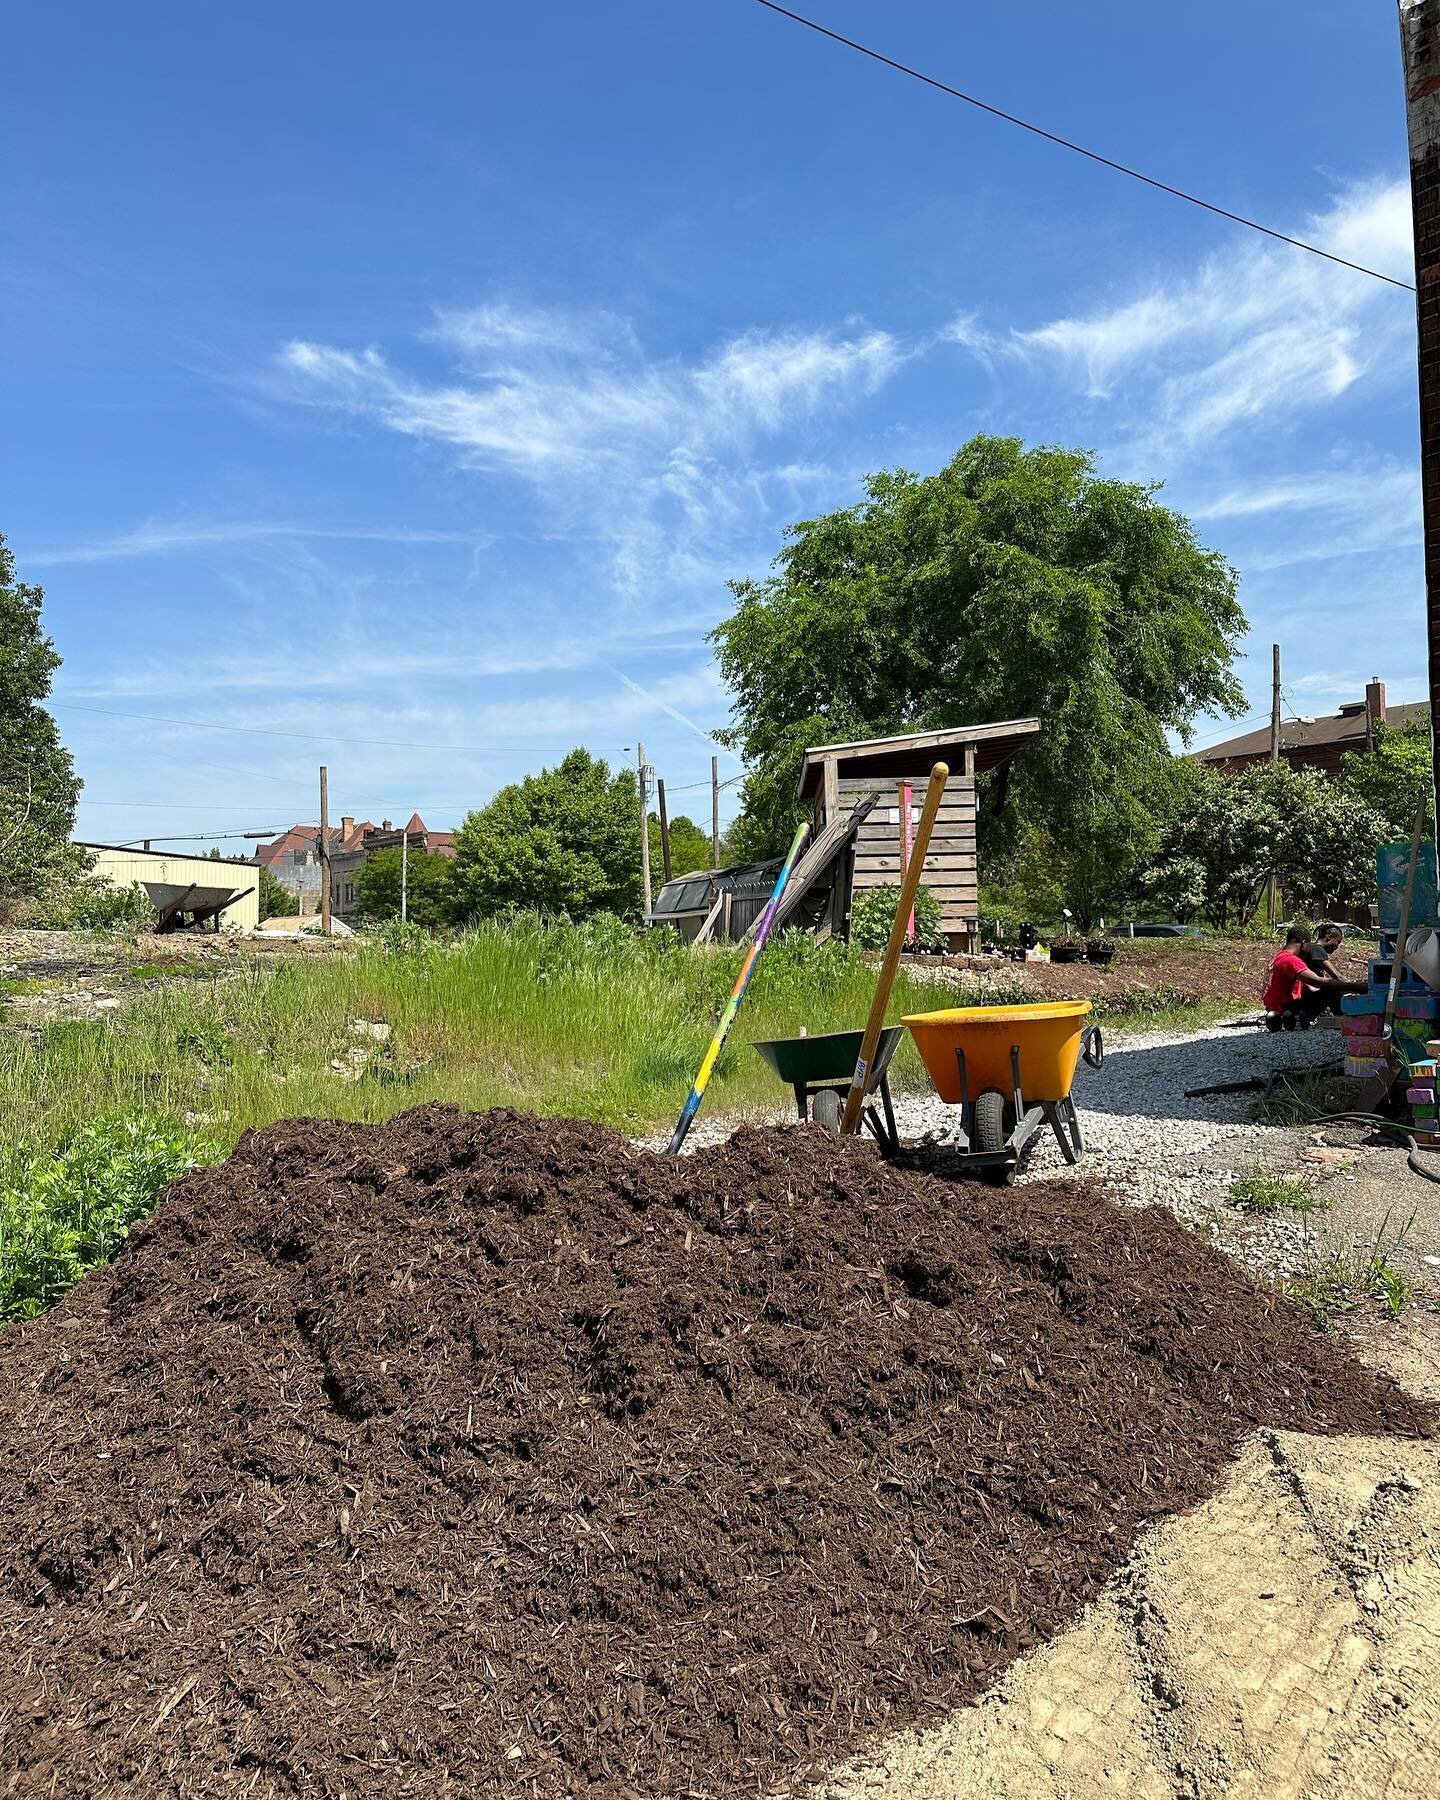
x: 1145, y: 1140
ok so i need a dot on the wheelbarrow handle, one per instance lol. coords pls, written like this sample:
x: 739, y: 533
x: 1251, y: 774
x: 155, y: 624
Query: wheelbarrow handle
x: 1092, y: 1046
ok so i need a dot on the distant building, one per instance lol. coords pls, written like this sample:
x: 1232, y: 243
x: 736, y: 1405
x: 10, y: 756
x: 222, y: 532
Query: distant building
x: 294, y: 857
x: 1316, y: 743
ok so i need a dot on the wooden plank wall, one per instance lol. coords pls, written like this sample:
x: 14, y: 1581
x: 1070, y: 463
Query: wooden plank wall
x: 950, y: 863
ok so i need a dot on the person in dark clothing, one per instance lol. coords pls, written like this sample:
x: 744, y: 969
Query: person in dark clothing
x: 1318, y: 956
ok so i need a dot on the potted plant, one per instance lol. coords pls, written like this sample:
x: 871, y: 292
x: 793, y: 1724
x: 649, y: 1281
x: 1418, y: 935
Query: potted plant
x: 1066, y: 949
x: 1100, y: 950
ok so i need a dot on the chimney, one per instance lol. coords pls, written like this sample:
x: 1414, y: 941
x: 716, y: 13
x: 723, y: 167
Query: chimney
x: 347, y: 825
x: 1374, y: 708
x: 385, y: 825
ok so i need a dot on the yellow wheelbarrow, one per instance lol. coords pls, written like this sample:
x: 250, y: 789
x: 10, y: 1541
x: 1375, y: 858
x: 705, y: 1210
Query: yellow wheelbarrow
x: 1009, y: 1070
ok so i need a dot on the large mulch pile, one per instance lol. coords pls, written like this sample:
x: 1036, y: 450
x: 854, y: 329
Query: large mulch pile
x: 479, y: 1452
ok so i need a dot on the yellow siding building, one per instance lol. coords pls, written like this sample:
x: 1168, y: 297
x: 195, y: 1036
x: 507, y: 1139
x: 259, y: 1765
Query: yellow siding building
x: 222, y: 892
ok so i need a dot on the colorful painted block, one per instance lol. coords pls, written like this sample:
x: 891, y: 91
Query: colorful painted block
x: 1361, y: 1068
x: 1424, y: 1071
x: 1424, y: 1115
x: 1354, y: 1006
x: 1421, y: 1093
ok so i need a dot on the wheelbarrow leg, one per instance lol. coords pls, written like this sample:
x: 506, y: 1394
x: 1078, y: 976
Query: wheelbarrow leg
x: 892, y: 1141
x: 802, y: 1101
x: 1065, y: 1123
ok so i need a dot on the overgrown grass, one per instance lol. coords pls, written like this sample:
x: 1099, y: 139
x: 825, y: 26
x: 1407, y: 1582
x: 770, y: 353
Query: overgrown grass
x: 1337, y: 1277
x: 1141, y: 1007
x: 1262, y: 1191
x: 558, y: 1019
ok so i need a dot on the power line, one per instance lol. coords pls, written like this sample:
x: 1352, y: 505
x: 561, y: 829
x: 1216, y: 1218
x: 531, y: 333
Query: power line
x: 1052, y: 137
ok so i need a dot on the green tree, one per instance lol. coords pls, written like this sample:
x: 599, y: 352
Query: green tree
x: 564, y: 841
x: 689, y: 848
x: 276, y: 900
x: 38, y: 785
x: 1223, y: 835
x: 1392, y: 778
x: 427, y: 888
x: 1012, y: 583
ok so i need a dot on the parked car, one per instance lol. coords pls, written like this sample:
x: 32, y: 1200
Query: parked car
x: 1158, y: 931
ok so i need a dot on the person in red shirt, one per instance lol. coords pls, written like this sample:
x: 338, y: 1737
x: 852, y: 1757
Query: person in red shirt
x: 1290, y: 984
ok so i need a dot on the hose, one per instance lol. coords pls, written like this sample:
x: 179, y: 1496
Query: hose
x: 1376, y: 1123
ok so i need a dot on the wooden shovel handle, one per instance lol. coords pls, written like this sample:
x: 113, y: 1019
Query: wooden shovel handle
x: 914, y: 869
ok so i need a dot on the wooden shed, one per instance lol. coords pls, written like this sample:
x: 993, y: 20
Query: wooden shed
x: 836, y: 776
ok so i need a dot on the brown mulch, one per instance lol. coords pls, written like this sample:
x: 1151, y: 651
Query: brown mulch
x: 481, y: 1453
x: 1174, y: 971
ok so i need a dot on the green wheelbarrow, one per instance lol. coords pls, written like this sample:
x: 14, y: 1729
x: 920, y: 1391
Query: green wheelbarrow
x: 821, y: 1068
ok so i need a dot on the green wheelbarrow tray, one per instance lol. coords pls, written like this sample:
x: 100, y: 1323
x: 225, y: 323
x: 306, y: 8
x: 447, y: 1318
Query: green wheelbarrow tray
x: 821, y: 1068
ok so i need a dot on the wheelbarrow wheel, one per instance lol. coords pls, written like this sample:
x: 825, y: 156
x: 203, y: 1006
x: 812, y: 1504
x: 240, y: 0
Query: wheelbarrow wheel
x: 991, y: 1129
x: 825, y: 1110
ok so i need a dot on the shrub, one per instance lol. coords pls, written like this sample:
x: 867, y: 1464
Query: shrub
x: 872, y: 913
x: 64, y: 1212
x: 89, y: 904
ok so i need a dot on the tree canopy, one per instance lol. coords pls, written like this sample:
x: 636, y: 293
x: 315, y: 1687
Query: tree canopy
x: 1013, y: 583
x: 427, y: 887
x: 564, y: 841
x: 689, y: 848
x: 1393, y: 776
x: 38, y: 785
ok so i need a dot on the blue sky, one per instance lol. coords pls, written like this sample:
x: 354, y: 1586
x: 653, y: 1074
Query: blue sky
x: 420, y: 375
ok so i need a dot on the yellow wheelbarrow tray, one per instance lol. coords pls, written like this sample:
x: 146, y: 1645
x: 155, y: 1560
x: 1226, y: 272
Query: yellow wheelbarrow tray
x: 1009, y: 1069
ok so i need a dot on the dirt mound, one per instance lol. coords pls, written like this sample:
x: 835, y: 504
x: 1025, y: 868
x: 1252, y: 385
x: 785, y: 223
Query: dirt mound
x: 480, y: 1452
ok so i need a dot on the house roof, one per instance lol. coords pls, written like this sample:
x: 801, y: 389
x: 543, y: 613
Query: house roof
x: 914, y: 753
x: 1344, y: 730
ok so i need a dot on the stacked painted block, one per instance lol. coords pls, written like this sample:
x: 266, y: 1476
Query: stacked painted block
x: 1417, y: 1012
x: 1421, y: 1095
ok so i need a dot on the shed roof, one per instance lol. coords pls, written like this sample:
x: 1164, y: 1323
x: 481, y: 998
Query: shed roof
x: 915, y: 752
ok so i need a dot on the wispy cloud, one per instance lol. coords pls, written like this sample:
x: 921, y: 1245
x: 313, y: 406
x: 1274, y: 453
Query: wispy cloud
x: 158, y: 537
x: 652, y: 456
x: 1260, y: 332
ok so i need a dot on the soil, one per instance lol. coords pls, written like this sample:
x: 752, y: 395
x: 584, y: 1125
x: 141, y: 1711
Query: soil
x: 481, y: 1453
x: 1185, y: 971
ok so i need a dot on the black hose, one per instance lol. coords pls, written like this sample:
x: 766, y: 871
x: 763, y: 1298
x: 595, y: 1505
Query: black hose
x: 1377, y: 1123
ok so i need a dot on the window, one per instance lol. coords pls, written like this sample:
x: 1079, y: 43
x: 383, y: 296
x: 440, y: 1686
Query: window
x: 298, y: 855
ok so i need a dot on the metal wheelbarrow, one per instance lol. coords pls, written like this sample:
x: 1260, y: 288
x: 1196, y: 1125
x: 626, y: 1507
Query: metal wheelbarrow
x: 821, y: 1068
x: 1009, y: 1069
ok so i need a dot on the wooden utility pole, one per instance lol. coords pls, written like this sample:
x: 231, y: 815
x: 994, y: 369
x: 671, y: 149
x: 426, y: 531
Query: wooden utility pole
x: 405, y: 875
x: 1420, y: 51
x: 714, y: 812
x: 664, y: 828
x: 324, y: 847
x: 644, y: 822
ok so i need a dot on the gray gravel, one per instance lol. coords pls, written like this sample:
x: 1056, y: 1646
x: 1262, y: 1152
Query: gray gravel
x: 1145, y: 1140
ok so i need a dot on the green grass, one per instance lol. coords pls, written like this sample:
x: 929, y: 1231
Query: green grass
x: 559, y: 1019
x: 1261, y: 1191
x: 1337, y: 1277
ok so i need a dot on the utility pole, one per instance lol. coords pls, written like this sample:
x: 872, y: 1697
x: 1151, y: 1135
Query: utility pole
x: 1271, y: 901
x: 644, y: 793
x: 1420, y: 52
x: 714, y: 812
x: 664, y: 828
x: 404, y: 874
x: 324, y: 850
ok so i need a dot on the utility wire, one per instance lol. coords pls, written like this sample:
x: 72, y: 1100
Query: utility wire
x: 1052, y: 137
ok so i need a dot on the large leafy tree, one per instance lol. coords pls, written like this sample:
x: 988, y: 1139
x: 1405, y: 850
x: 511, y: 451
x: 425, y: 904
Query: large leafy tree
x: 426, y: 881
x: 38, y: 785
x: 564, y: 841
x: 1392, y: 778
x: 1014, y: 582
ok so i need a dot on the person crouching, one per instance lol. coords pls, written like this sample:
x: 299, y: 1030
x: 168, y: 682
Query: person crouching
x: 1296, y: 992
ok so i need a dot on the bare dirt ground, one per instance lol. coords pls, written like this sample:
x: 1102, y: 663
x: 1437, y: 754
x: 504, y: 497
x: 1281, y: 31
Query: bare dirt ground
x: 1282, y: 1640
x: 1186, y: 970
